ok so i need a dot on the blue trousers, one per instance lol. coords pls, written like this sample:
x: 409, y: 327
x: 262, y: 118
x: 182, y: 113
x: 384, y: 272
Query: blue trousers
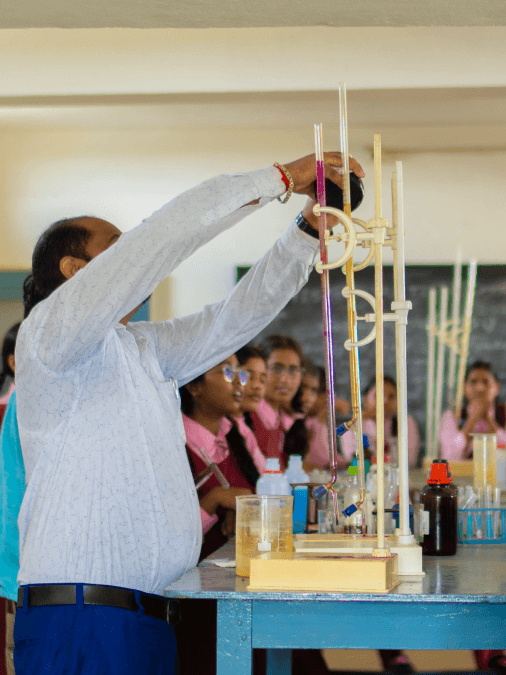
x: 91, y: 640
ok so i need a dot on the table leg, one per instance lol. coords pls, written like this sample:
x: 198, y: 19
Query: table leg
x: 234, y: 649
x: 279, y: 661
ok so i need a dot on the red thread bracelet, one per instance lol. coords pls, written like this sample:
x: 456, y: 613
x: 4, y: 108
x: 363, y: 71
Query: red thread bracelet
x: 283, y: 175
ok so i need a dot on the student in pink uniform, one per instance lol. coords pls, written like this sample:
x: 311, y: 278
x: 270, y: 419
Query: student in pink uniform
x: 310, y: 391
x: 480, y: 414
x: 252, y: 360
x: 8, y: 346
x: 369, y: 423
x: 210, y: 405
x: 284, y: 374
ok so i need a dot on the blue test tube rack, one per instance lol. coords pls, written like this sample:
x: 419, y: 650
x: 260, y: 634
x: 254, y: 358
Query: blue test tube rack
x: 486, y: 515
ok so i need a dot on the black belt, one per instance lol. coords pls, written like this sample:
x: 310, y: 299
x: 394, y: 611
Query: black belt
x: 65, y: 594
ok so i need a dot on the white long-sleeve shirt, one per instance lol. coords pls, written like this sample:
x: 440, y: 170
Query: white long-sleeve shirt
x: 110, y: 497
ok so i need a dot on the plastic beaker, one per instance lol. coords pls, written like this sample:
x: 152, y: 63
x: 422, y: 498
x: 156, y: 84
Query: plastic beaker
x: 263, y: 524
x: 484, y: 460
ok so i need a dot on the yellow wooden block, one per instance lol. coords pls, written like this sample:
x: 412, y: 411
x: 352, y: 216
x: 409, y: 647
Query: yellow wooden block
x: 350, y: 573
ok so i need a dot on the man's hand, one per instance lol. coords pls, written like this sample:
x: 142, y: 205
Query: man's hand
x: 303, y: 171
x: 220, y: 496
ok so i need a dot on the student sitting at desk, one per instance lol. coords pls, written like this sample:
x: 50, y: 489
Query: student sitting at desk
x: 391, y: 427
x: 480, y: 414
x: 12, y: 488
x: 284, y: 374
x: 209, y: 403
x: 308, y: 402
x: 8, y: 346
x: 252, y: 360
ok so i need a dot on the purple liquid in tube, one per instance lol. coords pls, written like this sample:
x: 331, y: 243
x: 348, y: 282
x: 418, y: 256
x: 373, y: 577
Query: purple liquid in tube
x: 328, y: 344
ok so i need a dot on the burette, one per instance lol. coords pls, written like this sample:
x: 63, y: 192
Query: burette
x: 323, y: 267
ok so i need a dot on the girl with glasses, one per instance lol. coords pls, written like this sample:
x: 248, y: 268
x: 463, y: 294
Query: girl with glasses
x: 271, y: 421
x: 209, y: 404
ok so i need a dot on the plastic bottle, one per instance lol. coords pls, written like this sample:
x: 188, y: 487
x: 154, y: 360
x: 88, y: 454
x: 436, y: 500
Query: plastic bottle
x: 439, y: 499
x: 273, y: 482
x: 353, y: 523
x: 295, y: 473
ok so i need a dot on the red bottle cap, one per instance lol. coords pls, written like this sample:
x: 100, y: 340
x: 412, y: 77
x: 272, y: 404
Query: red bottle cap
x: 439, y: 474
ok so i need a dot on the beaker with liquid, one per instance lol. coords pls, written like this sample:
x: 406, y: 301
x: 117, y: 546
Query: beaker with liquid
x: 484, y: 460
x: 263, y: 524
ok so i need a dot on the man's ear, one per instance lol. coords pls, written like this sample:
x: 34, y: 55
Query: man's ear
x: 70, y: 266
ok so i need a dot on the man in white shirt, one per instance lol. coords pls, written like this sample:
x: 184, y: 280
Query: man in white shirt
x: 110, y: 516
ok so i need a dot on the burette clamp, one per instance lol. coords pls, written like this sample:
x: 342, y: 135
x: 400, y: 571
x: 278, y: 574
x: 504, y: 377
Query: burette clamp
x: 401, y: 309
x: 347, y: 292
x: 351, y: 233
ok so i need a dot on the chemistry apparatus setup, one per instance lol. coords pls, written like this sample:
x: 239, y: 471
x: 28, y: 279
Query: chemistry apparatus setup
x: 356, y: 562
x: 453, y: 335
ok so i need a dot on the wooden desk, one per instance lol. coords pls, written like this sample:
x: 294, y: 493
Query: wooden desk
x: 459, y: 604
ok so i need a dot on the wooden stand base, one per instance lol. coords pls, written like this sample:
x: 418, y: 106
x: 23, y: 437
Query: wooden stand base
x: 354, y: 573
x: 409, y: 555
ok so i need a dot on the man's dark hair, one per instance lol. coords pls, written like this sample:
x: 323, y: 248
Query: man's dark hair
x: 8, y: 347
x: 65, y: 237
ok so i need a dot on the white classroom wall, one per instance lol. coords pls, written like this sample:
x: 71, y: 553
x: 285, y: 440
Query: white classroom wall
x: 122, y: 174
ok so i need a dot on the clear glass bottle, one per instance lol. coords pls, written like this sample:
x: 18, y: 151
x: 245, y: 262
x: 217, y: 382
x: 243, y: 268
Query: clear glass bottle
x: 354, y: 523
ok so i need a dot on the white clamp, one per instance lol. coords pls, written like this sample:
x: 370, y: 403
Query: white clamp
x: 401, y: 309
x: 350, y: 231
x: 349, y: 345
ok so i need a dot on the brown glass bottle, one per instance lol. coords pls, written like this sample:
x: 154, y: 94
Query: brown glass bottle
x: 439, y: 499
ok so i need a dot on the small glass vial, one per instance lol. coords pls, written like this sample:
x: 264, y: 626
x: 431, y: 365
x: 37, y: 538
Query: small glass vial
x: 439, y: 500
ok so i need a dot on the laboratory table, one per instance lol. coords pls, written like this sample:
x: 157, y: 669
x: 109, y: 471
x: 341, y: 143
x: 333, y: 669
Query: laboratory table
x: 459, y: 604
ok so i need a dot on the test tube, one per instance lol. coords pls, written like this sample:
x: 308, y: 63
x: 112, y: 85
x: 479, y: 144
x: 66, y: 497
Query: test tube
x: 497, y: 514
x: 488, y: 514
x: 477, y: 516
x: 211, y: 468
x: 468, y: 523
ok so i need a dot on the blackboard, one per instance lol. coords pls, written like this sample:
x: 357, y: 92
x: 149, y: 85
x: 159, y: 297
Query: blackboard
x: 302, y: 320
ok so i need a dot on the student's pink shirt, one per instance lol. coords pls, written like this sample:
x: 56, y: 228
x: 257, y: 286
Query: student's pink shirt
x: 369, y: 428
x: 453, y: 442
x: 216, y: 447
x: 318, y: 452
x: 5, y: 398
x: 271, y: 418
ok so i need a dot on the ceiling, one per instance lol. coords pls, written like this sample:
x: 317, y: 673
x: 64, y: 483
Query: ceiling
x: 244, y: 13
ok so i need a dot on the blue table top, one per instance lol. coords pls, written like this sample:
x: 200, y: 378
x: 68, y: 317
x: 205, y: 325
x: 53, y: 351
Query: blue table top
x: 476, y: 574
